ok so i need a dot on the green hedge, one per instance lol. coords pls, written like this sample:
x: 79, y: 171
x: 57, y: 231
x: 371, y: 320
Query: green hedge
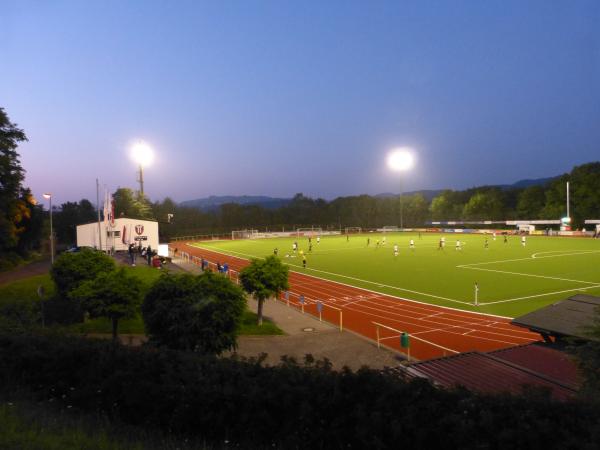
x: 286, y: 406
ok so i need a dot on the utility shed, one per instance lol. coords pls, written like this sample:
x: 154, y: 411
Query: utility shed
x: 566, y: 318
x: 119, y: 234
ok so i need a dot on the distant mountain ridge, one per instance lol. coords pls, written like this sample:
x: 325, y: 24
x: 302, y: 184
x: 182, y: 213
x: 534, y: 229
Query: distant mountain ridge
x: 214, y: 202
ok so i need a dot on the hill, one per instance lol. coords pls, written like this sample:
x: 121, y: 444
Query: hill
x: 215, y: 201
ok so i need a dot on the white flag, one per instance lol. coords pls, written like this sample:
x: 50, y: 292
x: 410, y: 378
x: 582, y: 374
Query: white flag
x: 106, y: 208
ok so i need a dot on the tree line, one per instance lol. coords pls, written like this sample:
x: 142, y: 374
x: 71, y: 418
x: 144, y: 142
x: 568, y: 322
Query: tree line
x: 24, y: 223
x: 546, y: 201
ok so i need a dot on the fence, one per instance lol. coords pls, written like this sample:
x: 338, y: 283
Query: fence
x: 423, y: 346
x: 304, y: 304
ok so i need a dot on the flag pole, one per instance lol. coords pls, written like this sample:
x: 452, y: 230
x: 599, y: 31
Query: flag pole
x: 98, y: 208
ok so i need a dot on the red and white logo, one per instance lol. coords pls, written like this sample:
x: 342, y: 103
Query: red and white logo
x: 139, y: 229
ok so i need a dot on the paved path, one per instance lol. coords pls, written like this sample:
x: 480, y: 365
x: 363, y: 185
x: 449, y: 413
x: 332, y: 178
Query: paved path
x: 324, y: 341
x: 434, y: 330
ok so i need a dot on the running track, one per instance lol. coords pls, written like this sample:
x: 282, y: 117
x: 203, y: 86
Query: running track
x: 459, y: 331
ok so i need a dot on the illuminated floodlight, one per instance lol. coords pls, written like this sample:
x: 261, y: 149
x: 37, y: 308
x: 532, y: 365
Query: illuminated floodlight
x: 47, y: 196
x: 401, y: 159
x: 142, y: 154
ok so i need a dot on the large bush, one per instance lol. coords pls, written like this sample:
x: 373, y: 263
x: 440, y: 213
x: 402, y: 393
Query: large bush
x: 287, y: 406
x: 200, y: 313
x: 71, y: 269
x: 68, y: 272
x: 115, y: 295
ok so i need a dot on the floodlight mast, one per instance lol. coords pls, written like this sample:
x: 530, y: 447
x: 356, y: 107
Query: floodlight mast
x: 142, y: 155
x: 49, y: 198
x: 401, y: 160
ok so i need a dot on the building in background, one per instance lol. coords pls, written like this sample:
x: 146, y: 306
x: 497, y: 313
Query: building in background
x: 119, y: 234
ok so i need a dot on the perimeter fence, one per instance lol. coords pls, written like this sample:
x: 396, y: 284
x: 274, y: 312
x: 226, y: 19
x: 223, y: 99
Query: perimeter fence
x: 382, y: 334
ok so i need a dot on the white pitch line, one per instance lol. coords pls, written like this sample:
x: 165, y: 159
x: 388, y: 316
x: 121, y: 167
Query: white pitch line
x: 576, y: 253
x: 541, y: 295
x: 529, y: 275
x: 404, y: 299
x: 431, y: 315
x: 359, y: 279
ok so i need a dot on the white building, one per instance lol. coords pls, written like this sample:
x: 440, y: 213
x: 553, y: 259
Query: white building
x: 120, y: 235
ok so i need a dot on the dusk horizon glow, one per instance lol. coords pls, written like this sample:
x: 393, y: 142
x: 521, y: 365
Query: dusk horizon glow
x: 263, y: 98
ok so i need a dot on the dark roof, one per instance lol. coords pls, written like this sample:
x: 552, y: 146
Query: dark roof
x: 568, y: 317
x: 544, y: 359
x: 488, y: 373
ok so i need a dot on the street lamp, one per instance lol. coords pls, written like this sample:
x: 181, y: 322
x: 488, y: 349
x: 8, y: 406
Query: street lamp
x: 400, y: 160
x: 49, y: 198
x: 143, y: 156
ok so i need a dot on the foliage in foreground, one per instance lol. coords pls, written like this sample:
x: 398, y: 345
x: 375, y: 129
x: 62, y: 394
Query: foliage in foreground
x: 287, y: 406
x: 201, y: 313
x: 263, y: 279
x: 115, y: 295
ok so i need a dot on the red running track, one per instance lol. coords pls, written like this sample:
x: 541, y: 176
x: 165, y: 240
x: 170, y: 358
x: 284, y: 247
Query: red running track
x: 435, y: 330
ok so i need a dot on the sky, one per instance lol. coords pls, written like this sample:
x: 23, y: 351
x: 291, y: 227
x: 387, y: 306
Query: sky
x: 280, y: 97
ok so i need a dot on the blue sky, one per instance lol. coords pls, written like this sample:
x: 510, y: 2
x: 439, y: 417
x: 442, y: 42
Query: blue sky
x: 274, y: 98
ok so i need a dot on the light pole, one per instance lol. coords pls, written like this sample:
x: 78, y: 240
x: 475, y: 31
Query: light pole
x: 400, y: 160
x: 143, y: 156
x: 49, y: 198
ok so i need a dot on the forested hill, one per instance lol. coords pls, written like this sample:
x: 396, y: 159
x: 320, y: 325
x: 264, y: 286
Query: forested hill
x: 526, y: 199
x: 214, y: 202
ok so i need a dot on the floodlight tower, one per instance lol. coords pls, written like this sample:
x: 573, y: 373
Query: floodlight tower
x: 49, y: 198
x: 400, y: 160
x: 143, y: 156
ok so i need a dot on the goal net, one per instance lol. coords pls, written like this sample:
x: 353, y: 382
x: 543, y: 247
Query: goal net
x: 313, y: 231
x: 352, y: 230
x: 243, y: 234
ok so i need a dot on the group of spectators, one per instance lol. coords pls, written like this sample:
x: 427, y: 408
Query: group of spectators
x: 148, y: 253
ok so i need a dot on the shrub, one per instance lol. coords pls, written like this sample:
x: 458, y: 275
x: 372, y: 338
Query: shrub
x: 115, y: 295
x: 71, y: 269
x: 200, y: 313
x: 286, y: 406
x: 68, y: 272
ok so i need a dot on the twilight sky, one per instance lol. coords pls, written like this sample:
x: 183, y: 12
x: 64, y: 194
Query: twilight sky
x: 279, y: 97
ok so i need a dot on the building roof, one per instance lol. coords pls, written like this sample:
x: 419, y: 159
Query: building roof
x: 568, y: 317
x: 95, y: 222
x: 495, y: 372
x: 543, y: 359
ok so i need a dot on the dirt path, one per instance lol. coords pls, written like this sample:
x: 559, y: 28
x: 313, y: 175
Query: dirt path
x: 28, y: 270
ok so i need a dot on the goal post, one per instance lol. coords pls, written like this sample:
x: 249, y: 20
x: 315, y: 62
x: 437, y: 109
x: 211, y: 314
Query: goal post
x: 352, y: 230
x: 243, y: 234
x: 312, y: 231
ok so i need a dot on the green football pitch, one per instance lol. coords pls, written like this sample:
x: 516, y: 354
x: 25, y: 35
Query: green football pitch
x: 513, y: 279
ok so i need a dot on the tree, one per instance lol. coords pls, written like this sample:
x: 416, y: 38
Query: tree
x: 530, y: 202
x: 68, y: 272
x: 114, y: 295
x: 484, y: 205
x: 131, y: 204
x: 13, y: 207
x: 195, y: 313
x: 72, y: 269
x: 263, y: 279
x: 69, y: 216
